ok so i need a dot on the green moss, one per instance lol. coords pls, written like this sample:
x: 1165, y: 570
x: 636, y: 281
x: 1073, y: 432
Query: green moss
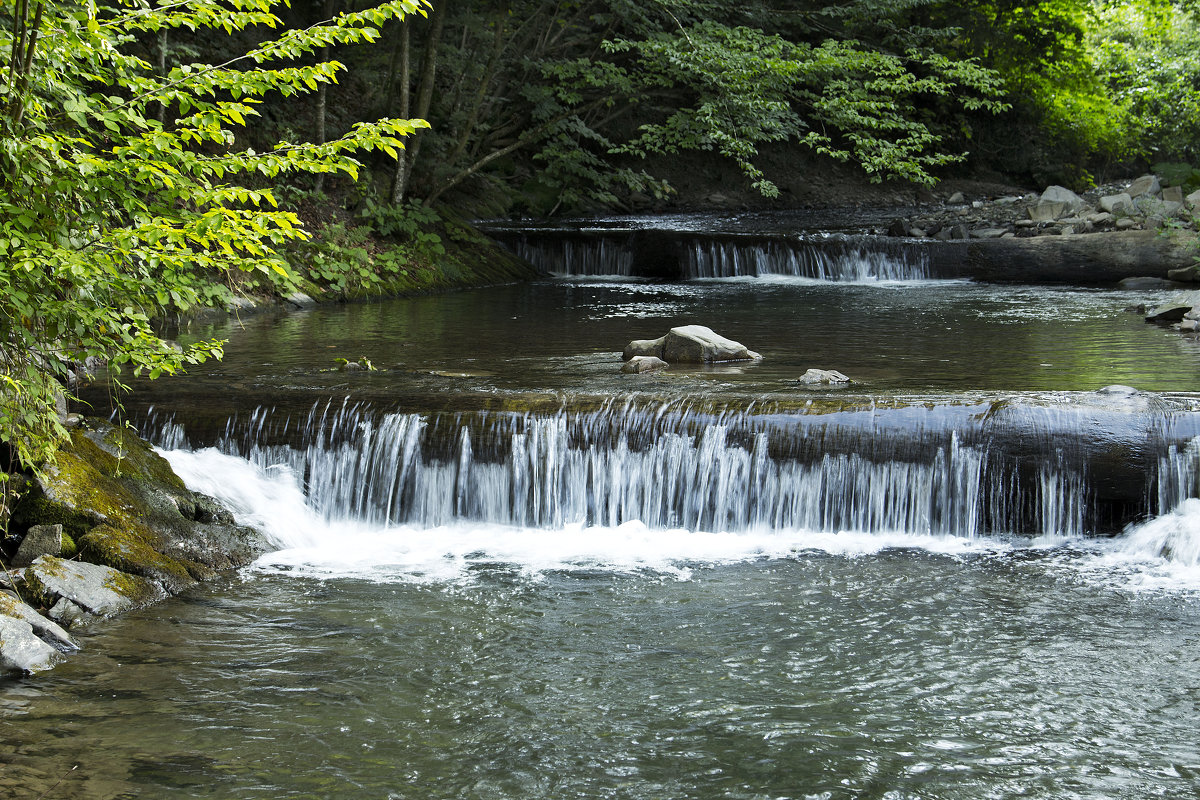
x: 129, y: 549
x: 137, y: 590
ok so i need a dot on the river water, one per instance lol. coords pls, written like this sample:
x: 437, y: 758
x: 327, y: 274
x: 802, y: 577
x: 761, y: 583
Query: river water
x: 506, y: 570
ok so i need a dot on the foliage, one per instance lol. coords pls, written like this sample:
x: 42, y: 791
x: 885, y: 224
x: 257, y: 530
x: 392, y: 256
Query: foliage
x: 1148, y: 53
x: 109, y: 215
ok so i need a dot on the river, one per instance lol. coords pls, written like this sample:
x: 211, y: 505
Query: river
x: 505, y: 570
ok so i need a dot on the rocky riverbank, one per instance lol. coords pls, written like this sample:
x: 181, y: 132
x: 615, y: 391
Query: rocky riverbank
x: 1143, y: 204
x: 109, y: 527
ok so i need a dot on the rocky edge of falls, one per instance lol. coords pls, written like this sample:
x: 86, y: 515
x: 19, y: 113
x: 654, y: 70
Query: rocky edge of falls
x: 108, y: 528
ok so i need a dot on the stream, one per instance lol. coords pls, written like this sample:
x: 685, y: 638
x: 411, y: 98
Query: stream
x: 507, y: 570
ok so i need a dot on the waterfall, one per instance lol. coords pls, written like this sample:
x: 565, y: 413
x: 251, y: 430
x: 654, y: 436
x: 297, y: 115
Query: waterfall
x: 828, y: 260
x: 922, y: 471
x: 690, y: 255
x: 591, y: 257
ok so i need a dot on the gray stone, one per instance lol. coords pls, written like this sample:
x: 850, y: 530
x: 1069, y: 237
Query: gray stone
x: 988, y: 233
x: 1193, y: 200
x: 1117, y: 203
x: 643, y: 364
x: 40, y: 540
x: 696, y: 344
x: 1193, y: 314
x: 66, y: 613
x: 97, y: 589
x: 1145, y: 185
x: 21, y: 650
x: 817, y: 376
x: 1007, y: 200
x: 1025, y: 223
x: 42, y: 627
x: 300, y: 300
x: 1126, y: 223
x: 956, y: 199
x: 644, y: 347
x: 1101, y: 218
x: 1173, y: 194
x: 1189, y: 325
x: 1060, y: 194
x: 1141, y: 283
x: 958, y: 232
x: 240, y: 304
x: 1047, y: 211
x: 1170, y: 208
x: 1185, y: 274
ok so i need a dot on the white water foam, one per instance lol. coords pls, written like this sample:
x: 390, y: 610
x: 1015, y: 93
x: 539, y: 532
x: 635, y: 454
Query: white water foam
x: 272, y: 500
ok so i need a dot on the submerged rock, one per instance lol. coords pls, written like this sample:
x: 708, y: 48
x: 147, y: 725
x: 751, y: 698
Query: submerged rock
x: 643, y: 364
x: 817, y: 376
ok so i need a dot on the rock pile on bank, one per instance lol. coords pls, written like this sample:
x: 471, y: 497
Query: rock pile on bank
x: 107, y: 528
x: 1145, y: 203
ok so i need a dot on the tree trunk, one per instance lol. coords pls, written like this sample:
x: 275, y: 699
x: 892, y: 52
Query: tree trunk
x: 400, y: 179
x: 404, y: 164
x: 321, y: 101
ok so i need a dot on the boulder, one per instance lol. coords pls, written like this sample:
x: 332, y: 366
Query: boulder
x: 1147, y: 282
x: 1145, y: 185
x: 21, y: 651
x: 40, y: 540
x: 97, y: 589
x: 956, y: 199
x: 300, y: 300
x: 1193, y: 200
x: 1060, y: 194
x: 1047, y: 212
x: 1126, y: 224
x: 690, y: 344
x: 643, y: 364
x: 1117, y: 203
x: 696, y: 344
x: 817, y: 376
x: 124, y: 507
x: 988, y: 233
x: 1101, y: 218
x: 1173, y: 194
x: 43, y: 628
x: 644, y: 347
x: 1174, y: 309
x: 1185, y: 274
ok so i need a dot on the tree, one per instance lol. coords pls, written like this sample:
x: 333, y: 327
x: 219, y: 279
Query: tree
x: 124, y: 192
x: 583, y: 90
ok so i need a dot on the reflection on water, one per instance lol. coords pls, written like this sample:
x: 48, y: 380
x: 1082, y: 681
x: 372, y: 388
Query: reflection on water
x: 940, y: 337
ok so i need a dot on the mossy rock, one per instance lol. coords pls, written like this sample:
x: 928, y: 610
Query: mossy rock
x: 131, y: 550
x: 125, y: 508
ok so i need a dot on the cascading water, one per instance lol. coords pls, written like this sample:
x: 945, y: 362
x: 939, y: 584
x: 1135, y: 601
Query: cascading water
x: 828, y: 260
x: 605, y: 256
x: 673, y: 466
